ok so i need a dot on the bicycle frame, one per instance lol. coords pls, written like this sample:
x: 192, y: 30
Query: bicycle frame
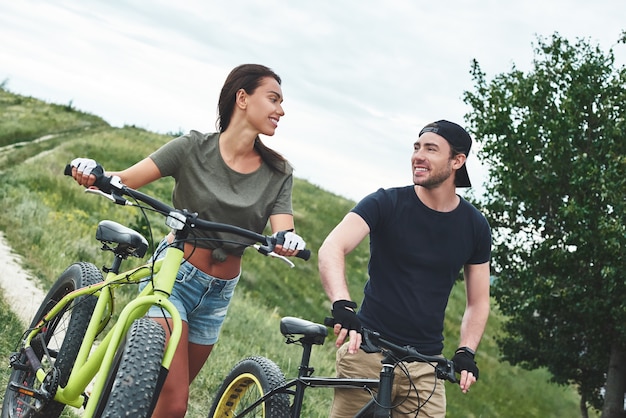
x: 306, y: 380
x: 303, y: 382
x: 97, y: 361
x: 232, y: 399
x: 377, y: 407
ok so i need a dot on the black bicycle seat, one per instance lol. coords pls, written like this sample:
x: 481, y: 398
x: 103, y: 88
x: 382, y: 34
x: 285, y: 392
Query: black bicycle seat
x: 130, y: 241
x: 290, y: 326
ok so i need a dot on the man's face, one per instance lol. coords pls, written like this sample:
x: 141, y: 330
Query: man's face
x: 431, y: 161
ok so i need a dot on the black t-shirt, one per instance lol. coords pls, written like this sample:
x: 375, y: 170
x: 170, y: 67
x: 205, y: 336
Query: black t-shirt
x: 416, y: 254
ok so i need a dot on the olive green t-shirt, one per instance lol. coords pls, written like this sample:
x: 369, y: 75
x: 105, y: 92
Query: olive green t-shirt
x: 206, y: 185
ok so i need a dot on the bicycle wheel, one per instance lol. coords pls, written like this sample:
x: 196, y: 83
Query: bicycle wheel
x: 58, y: 345
x: 131, y: 385
x: 250, y: 379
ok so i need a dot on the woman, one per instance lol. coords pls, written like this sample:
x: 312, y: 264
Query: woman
x: 231, y: 177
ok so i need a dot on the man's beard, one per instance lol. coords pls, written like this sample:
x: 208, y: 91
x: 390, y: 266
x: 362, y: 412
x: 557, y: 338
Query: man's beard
x: 436, y: 179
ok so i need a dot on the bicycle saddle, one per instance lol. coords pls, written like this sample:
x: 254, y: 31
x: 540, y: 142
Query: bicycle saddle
x: 130, y: 241
x: 290, y: 326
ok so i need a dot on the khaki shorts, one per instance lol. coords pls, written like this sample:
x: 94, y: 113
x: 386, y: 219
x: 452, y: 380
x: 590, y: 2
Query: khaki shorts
x: 430, y: 397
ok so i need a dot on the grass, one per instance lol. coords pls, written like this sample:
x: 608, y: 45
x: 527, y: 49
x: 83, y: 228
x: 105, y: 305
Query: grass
x: 51, y: 222
x: 25, y: 119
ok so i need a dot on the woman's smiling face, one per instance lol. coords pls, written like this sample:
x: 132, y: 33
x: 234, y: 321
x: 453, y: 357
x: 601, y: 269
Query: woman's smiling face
x: 264, y: 106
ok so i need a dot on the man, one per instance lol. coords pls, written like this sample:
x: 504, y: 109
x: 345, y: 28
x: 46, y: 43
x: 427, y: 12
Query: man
x: 420, y: 238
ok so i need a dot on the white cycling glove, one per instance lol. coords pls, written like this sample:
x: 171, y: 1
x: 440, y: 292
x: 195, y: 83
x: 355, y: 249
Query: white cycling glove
x: 289, y: 240
x: 84, y: 165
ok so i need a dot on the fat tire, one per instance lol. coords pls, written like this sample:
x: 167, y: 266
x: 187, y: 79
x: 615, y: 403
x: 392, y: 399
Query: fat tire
x: 131, y: 385
x: 250, y: 379
x: 64, y: 335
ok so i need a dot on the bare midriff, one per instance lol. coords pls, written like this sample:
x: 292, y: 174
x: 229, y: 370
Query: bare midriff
x: 202, y: 259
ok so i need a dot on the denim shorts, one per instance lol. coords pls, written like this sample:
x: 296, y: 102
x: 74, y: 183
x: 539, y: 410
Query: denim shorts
x: 202, y: 301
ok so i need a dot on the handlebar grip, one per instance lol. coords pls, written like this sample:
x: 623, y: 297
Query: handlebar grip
x: 102, y: 182
x: 304, y: 254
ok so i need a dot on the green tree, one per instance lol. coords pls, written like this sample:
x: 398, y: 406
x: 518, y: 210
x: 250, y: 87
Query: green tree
x: 554, y: 139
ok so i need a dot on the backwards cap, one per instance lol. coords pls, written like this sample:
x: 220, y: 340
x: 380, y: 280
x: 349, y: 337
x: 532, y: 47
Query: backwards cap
x: 459, y: 139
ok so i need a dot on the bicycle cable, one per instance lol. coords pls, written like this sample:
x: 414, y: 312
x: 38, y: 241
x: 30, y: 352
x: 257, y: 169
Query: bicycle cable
x: 401, y: 364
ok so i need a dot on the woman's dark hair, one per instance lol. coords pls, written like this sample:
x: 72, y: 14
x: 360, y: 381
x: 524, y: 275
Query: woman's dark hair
x: 247, y: 77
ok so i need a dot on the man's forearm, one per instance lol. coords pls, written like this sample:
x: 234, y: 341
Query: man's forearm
x: 473, y: 325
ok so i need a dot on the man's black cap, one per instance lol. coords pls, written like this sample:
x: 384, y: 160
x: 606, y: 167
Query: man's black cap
x: 459, y: 139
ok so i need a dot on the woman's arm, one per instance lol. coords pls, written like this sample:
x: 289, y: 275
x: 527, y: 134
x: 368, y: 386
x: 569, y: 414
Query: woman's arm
x: 138, y: 175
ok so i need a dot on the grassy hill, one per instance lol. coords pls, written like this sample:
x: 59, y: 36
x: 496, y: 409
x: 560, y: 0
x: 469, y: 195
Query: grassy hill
x: 48, y: 220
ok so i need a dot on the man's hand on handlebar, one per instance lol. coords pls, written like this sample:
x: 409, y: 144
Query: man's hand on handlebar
x: 465, y: 364
x: 347, y: 324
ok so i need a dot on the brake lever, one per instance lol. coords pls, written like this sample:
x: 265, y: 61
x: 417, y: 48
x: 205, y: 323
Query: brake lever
x: 263, y: 250
x: 113, y: 197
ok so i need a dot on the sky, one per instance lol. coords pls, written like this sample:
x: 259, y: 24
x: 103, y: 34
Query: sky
x: 360, y: 77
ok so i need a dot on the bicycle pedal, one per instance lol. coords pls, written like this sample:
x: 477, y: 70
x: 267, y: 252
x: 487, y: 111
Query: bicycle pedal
x: 27, y: 391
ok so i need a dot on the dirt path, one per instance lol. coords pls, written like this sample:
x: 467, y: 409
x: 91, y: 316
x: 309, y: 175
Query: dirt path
x: 20, y: 290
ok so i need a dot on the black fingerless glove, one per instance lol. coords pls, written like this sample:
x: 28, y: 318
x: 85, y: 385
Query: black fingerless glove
x: 464, y: 360
x: 102, y: 182
x: 344, y: 313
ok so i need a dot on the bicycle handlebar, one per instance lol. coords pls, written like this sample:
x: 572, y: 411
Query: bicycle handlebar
x: 374, y: 342
x: 114, y: 189
x: 445, y: 368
